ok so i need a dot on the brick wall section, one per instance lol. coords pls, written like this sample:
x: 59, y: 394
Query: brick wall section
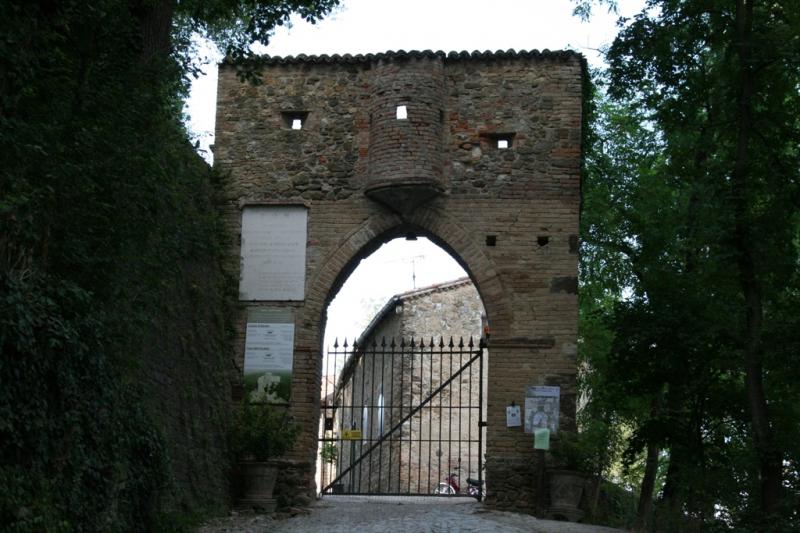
x: 516, y: 195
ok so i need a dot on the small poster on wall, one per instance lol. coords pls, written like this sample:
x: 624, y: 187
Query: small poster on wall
x: 542, y: 408
x: 268, y: 355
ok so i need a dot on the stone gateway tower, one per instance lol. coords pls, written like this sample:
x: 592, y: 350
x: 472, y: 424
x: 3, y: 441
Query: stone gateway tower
x: 330, y: 156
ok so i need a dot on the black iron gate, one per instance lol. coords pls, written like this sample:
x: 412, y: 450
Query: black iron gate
x: 403, y: 418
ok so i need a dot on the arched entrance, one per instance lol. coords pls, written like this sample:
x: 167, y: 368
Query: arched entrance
x: 403, y: 397
x: 480, y: 152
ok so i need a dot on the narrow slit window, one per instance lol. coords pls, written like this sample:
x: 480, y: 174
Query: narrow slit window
x: 402, y: 112
x: 502, y: 144
x: 297, y: 124
x: 380, y: 412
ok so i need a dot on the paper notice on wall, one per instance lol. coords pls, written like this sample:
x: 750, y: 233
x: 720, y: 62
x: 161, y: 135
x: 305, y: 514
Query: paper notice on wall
x: 541, y: 439
x: 268, y: 358
x: 513, y: 418
x: 273, y: 253
x: 541, y: 408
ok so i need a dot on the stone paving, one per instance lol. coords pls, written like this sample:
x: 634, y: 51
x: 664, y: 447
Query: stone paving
x: 340, y: 514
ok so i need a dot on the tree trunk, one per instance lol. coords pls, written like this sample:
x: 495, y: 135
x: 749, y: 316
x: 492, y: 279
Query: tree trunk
x: 764, y: 439
x: 646, y: 492
x: 674, y: 492
x: 155, y: 28
x: 670, y: 514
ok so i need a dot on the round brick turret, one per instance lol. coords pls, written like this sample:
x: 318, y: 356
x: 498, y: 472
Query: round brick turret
x: 405, y: 146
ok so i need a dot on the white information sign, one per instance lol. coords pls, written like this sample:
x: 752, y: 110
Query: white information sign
x: 542, y: 408
x: 268, y: 357
x: 273, y: 253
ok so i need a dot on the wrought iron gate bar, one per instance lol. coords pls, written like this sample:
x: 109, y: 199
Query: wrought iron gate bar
x: 378, y: 397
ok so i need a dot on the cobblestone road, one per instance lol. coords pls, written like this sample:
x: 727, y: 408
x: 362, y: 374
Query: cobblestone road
x: 390, y: 515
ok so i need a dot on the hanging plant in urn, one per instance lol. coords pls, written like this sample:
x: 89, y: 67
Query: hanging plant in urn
x: 261, y: 432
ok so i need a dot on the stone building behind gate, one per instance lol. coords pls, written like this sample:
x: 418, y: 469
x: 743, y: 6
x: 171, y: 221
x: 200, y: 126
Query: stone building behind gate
x: 410, y: 349
x: 330, y: 156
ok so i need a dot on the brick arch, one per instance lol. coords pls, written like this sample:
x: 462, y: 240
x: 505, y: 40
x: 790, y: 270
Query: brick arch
x: 440, y: 229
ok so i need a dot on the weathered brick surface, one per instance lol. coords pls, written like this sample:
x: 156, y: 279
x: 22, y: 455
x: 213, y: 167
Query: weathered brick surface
x: 410, y: 149
x: 517, y: 195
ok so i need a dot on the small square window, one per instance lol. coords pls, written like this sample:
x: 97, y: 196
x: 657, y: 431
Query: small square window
x: 402, y: 112
x: 294, y: 120
x: 497, y: 141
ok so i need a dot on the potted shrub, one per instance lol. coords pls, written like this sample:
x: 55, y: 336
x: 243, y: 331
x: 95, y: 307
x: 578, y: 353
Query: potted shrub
x: 329, y: 454
x: 260, y: 432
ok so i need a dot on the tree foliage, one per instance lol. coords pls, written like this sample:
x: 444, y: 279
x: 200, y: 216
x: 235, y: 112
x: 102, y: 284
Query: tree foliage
x: 106, y: 215
x: 690, y: 262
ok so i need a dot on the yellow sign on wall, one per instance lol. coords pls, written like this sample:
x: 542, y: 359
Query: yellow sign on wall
x: 351, y: 434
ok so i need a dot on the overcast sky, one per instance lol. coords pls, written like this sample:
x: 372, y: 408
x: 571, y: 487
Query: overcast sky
x: 371, y: 26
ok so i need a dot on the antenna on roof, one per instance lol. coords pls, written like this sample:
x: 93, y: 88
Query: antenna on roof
x: 413, y: 260
x: 414, y: 269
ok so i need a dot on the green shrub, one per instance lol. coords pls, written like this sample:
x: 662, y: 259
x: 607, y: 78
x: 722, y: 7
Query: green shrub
x: 262, y: 431
x: 329, y: 453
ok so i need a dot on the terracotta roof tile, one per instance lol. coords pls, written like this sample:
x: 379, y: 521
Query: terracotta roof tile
x: 561, y: 55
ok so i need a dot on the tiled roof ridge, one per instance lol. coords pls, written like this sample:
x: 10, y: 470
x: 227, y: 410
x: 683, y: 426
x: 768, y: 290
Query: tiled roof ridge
x: 419, y: 54
x: 436, y: 287
x: 397, y: 299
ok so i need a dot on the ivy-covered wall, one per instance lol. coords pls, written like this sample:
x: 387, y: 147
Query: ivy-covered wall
x: 114, y: 383
x: 185, y: 372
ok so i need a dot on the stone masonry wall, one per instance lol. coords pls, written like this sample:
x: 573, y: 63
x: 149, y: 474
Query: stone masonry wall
x: 509, y: 215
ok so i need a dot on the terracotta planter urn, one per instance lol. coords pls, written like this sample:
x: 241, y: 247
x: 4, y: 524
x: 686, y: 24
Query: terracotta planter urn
x: 566, y: 491
x: 256, y: 481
